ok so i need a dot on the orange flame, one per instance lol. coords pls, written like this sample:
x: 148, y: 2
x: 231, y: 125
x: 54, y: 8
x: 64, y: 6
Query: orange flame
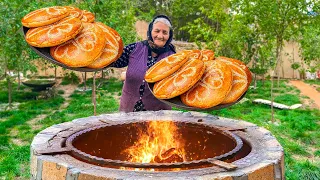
x: 161, y: 143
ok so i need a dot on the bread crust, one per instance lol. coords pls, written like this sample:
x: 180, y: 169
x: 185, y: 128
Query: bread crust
x: 87, y: 16
x: 165, y: 67
x: 213, y: 87
x: 181, y: 81
x: 44, y: 16
x: 111, y: 51
x: 240, y: 80
x: 54, y: 34
x: 207, y: 55
x: 193, y: 54
x: 246, y: 69
x: 83, y: 50
x: 75, y: 12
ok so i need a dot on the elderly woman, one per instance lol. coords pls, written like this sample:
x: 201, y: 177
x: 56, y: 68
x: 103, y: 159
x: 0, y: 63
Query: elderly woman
x: 139, y: 57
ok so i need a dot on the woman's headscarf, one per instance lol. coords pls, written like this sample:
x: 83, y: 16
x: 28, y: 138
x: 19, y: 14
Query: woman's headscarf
x: 150, y: 41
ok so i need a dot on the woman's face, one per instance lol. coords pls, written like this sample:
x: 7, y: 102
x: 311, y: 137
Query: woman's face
x: 160, y: 34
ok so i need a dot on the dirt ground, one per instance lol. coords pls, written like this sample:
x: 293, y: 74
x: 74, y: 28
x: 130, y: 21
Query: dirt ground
x: 308, y: 90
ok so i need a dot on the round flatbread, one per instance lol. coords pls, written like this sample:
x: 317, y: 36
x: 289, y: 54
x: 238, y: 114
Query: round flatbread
x: 165, y: 67
x: 87, y: 16
x: 119, y: 39
x: 54, y: 34
x: 44, y: 16
x: 181, y: 81
x: 245, y: 68
x: 112, y: 48
x: 75, y: 12
x: 193, y: 54
x: 207, y: 55
x: 240, y: 80
x: 213, y: 87
x: 83, y: 50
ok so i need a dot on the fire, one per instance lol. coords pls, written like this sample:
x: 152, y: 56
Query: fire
x: 160, y: 144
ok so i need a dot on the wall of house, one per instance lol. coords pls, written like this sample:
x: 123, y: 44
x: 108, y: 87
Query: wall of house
x: 290, y: 55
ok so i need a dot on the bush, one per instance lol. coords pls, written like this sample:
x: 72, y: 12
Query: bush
x: 70, y: 78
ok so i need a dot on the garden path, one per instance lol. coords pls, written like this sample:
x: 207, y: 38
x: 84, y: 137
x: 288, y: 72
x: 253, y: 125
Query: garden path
x: 68, y: 91
x: 307, y: 90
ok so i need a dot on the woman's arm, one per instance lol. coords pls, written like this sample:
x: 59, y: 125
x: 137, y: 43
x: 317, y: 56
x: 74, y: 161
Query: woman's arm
x: 123, y: 60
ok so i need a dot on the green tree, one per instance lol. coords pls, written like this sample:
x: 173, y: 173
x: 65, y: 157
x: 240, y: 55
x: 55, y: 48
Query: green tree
x: 310, y: 42
x: 14, y: 57
x: 280, y: 20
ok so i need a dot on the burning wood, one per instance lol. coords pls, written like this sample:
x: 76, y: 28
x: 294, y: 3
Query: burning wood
x: 170, y: 156
x: 160, y: 144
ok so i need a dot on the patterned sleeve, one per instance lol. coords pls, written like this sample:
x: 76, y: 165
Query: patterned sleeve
x: 123, y: 60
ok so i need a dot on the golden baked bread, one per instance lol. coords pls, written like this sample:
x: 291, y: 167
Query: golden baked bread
x: 44, y: 16
x: 207, y: 55
x: 212, y: 88
x: 165, y: 67
x: 54, y: 34
x: 193, y: 54
x: 75, y: 12
x: 87, y: 16
x: 181, y: 81
x: 111, y: 50
x: 83, y: 50
x: 118, y: 38
x: 240, y: 80
x: 246, y: 69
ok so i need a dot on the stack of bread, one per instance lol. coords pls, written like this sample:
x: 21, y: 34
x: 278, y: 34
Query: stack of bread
x: 73, y: 36
x: 200, y: 79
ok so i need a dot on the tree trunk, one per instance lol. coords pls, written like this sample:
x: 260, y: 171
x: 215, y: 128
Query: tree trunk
x: 263, y: 76
x: 94, y: 94
x: 278, y: 75
x: 272, y: 74
x: 9, y: 91
x: 55, y: 72
x: 255, y: 81
x: 19, y: 80
x: 85, y: 81
x: 279, y: 60
x: 255, y: 74
x: 272, y: 111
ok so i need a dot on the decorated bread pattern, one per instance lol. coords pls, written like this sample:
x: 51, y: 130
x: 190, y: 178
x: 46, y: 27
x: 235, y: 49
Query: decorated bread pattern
x: 111, y: 50
x: 75, y: 12
x: 193, y: 54
x: 240, y: 80
x: 207, y: 55
x: 54, y: 34
x: 84, y: 49
x: 44, y: 16
x: 165, y: 67
x: 181, y: 81
x: 212, y: 88
x: 61, y: 28
x: 87, y: 16
x: 223, y: 81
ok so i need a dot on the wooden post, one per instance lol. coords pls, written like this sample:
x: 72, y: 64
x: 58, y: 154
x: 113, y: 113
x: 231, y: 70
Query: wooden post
x: 94, y: 94
x: 85, y: 82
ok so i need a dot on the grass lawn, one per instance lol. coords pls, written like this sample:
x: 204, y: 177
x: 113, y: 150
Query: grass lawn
x: 296, y: 130
x: 314, y: 82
